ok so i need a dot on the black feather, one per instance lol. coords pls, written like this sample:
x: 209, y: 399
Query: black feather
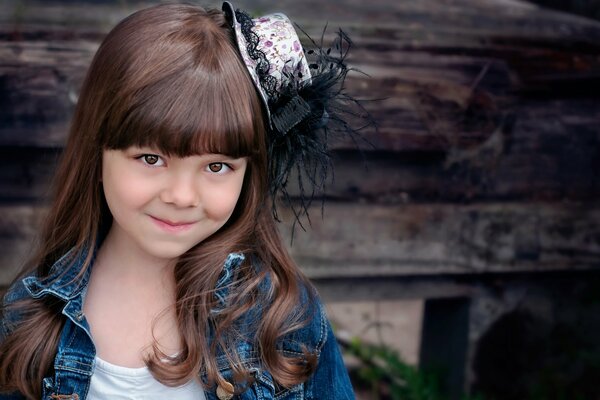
x: 299, y: 143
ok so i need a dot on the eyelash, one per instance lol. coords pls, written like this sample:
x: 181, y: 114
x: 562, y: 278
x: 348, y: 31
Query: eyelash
x: 142, y: 157
x: 220, y: 171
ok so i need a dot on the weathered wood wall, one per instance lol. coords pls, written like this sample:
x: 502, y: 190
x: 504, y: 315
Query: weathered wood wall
x: 485, y: 162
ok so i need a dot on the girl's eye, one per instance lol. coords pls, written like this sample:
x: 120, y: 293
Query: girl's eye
x: 151, y: 159
x: 218, y: 167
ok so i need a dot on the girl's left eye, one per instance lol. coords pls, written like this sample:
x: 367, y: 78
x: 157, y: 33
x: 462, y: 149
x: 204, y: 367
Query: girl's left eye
x: 218, y: 167
x: 152, y: 160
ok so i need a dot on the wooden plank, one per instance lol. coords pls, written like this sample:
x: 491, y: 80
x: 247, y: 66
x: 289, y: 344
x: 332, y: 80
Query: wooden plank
x: 420, y: 239
x: 40, y: 84
x: 365, y: 240
x: 552, y: 152
x: 444, y: 342
x: 387, y: 288
x: 26, y: 173
x: 482, y: 14
x: 440, y: 65
x: 18, y: 228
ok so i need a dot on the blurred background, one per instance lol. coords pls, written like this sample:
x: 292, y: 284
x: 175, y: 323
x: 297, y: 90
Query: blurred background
x: 459, y: 255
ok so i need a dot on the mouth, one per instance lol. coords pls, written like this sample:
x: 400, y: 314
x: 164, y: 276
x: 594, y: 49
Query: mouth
x: 172, y: 226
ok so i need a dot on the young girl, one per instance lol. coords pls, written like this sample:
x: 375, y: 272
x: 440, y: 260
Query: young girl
x: 161, y: 273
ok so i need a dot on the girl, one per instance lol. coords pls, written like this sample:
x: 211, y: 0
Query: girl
x: 161, y: 273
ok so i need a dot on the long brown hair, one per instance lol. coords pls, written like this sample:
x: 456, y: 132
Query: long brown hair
x: 169, y: 77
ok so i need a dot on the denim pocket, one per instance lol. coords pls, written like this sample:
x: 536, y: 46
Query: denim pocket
x: 294, y: 393
x: 264, y: 388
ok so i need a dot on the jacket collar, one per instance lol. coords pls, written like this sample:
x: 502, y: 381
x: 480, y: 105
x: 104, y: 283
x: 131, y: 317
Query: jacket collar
x: 66, y: 279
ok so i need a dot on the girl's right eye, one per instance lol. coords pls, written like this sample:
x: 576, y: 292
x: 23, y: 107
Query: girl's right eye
x: 151, y: 160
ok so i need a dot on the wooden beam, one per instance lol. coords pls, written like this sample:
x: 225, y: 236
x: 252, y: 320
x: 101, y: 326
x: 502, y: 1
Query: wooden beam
x: 367, y: 240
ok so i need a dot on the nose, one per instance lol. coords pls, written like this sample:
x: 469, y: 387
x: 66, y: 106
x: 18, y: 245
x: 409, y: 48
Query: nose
x: 181, y: 191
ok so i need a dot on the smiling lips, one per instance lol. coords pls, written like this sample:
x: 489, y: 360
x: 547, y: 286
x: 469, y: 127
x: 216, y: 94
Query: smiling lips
x: 171, y: 226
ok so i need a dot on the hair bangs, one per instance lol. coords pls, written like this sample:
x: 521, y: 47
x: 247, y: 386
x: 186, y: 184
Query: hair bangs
x: 190, y: 113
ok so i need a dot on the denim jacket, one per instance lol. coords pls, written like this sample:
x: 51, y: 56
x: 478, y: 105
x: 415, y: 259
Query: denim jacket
x: 74, y: 361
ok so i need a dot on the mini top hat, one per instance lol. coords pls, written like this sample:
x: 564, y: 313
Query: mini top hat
x: 271, y: 51
x: 304, y: 101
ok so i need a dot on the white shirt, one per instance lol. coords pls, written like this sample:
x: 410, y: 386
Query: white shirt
x: 114, y: 382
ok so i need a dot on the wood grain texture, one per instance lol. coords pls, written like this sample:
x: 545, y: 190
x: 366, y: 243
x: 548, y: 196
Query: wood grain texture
x: 364, y: 240
x: 446, y: 74
x: 487, y: 121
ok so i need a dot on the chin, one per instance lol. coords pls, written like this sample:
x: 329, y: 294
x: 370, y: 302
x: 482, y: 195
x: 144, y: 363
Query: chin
x: 167, y: 251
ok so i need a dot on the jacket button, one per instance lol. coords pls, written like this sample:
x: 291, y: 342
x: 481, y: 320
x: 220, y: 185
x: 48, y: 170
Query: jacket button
x: 225, y: 391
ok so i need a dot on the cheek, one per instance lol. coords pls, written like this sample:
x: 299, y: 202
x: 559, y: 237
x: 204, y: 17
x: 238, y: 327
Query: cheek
x: 123, y: 192
x: 219, y: 204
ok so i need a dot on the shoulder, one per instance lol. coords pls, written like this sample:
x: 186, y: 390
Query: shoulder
x: 10, y: 315
x: 330, y: 379
x: 306, y: 324
x: 62, y: 281
x: 15, y: 293
x: 310, y: 313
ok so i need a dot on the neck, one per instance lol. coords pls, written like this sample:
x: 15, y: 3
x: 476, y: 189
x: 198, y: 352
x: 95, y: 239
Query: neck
x: 119, y: 258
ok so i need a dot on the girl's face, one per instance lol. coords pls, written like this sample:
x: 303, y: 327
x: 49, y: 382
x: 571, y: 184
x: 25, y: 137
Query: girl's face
x: 166, y: 205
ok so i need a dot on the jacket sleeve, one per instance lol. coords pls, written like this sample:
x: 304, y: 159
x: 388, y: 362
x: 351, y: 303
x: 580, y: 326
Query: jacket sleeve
x: 330, y: 380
